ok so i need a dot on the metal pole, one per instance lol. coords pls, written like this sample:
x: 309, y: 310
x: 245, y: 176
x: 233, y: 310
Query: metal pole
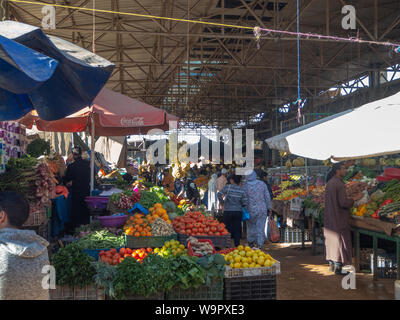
x: 92, y: 152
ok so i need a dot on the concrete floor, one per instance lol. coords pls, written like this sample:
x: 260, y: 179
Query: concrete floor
x: 307, y: 277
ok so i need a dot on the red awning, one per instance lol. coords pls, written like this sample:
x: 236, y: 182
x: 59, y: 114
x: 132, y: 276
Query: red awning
x: 115, y: 115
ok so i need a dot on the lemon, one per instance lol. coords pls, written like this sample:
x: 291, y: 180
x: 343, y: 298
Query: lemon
x: 242, y: 253
x: 255, y: 258
x: 247, y: 248
x: 237, y: 259
x: 258, y: 266
x: 231, y: 265
x: 260, y: 261
x: 249, y: 254
x: 252, y: 265
x: 237, y: 265
x: 182, y: 246
x: 240, y: 248
x: 267, y: 263
x: 245, y: 265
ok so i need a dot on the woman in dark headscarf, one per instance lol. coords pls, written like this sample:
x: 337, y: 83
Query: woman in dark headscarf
x: 336, y: 225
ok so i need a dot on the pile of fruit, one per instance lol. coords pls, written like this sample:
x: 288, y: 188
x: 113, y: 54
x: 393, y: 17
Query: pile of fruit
x: 137, y: 226
x: 289, y: 194
x: 172, y: 248
x: 113, y: 257
x: 245, y: 257
x: 194, y: 223
x: 157, y: 212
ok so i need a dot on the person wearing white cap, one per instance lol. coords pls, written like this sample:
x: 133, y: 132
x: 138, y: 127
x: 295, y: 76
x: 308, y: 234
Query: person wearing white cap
x: 222, y: 180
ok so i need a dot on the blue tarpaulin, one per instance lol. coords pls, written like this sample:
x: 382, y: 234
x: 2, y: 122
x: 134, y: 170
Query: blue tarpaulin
x: 46, y: 73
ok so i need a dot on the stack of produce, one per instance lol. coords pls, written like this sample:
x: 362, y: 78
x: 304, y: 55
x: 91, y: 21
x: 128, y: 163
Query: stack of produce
x: 200, y: 248
x: 100, y: 240
x: 113, y: 257
x: 137, y: 226
x: 125, y: 200
x: 156, y: 195
x: 171, y: 248
x: 289, y: 194
x: 196, y: 224
x: 245, y: 257
x: 157, y: 212
x: 32, y: 178
x: 161, y: 228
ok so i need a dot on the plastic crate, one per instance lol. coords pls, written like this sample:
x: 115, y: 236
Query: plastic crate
x: 219, y: 242
x: 214, y: 292
x: 148, y: 242
x: 253, y: 272
x: 293, y: 235
x: 386, y: 266
x: 250, y: 288
x: 91, y: 292
x: 36, y: 218
x: 190, y: 250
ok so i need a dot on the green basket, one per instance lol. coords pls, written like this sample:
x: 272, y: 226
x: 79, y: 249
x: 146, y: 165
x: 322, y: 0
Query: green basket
x: 213, y: 292
x: 148, y: 242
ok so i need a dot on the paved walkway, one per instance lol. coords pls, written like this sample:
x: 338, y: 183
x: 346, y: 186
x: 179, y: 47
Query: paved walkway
x: 307, y: 277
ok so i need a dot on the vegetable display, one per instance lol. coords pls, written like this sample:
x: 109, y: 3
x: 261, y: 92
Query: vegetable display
x: 32, y: 178
x: 196, y: 224
x: 172, y: 248
x: 100, y: 240
x: 137, y: 226
x: 105, y: 276
x: 200, y: 248
x: 113, y: 257
x: 73, y: 267
x: 161, y: 228
x: 126, y: 199
x: 148, y: 199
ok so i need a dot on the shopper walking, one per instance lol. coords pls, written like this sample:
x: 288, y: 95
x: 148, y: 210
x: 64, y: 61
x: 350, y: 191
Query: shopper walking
x: 23, y: 253
x: 234, y: 200
x: 336, y: 220
x: 259, y: 206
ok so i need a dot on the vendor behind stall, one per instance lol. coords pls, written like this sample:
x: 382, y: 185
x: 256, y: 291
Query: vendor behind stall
x: 78, y: 173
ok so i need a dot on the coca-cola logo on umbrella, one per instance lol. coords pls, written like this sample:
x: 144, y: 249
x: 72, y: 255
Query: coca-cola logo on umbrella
x: 132, y: 122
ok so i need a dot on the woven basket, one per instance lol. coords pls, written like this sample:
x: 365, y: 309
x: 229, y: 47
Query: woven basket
x: 91, y: 292
x: 36, y: 218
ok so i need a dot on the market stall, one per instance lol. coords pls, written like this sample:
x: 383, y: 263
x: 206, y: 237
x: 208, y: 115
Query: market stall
x: 161, y: 249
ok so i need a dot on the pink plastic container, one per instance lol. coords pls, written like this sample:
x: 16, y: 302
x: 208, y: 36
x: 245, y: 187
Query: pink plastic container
x: 112, y: 221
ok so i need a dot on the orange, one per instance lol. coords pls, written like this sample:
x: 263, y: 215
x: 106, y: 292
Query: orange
x: 137, y: 234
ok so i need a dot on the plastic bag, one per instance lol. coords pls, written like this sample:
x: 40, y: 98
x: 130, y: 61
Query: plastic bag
x: 272, y: 230
x: 363, y: 200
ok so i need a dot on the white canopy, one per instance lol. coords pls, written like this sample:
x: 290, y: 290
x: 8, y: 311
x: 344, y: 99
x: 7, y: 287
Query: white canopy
x: 370, y: 130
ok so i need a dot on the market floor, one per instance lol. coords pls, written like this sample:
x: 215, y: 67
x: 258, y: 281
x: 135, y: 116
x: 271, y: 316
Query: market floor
x: 307, y: 277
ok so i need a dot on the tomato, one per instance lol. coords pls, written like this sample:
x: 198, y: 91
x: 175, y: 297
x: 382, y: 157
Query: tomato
x: 122, y: 251
x: 101, y: 252
x: 217, y: 233
x: 213, y: 229
x: 128, y: 251
x: 126, y: 255
x: 210, y: 233
x: 113, y: 251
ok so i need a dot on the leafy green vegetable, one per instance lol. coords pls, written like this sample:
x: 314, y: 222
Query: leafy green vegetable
x: 38, y: 147
x: 214, y: 266
x: 100, y: 240
x: 148, y: 199
x: 73, y: 267
x: 105, y: 277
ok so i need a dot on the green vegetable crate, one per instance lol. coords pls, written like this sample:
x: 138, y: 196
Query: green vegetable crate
x: 91, y: 292
x: 219, y: 242
x: 203, y: 292
x: 148, y: 242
